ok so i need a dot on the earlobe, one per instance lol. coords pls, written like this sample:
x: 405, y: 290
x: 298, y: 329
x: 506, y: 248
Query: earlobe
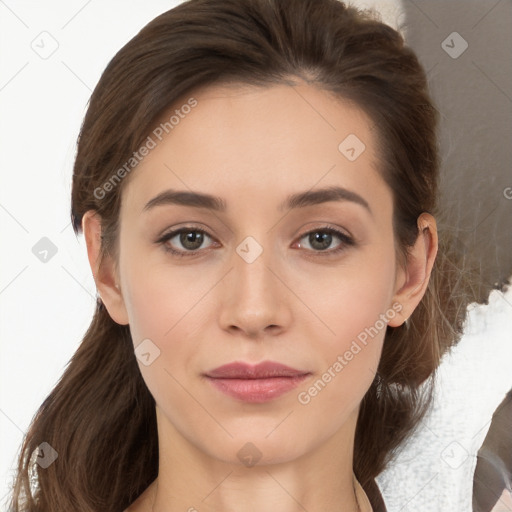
x: 418, y: 269
x: 103, y: 269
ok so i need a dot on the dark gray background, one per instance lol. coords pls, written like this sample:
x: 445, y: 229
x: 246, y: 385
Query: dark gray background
x: 473, y: 93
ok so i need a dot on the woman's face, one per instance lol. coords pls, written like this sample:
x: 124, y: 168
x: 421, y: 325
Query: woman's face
x: 265, y: 278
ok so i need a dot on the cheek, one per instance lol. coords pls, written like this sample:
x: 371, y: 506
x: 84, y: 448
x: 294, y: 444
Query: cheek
x: 354, y: 312
x: 160, y: 299
x: 164, y: 306
x: 349, y: 358
x: 350, y: 299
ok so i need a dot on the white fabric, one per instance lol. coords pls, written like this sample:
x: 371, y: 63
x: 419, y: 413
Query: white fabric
x: 434, y: 471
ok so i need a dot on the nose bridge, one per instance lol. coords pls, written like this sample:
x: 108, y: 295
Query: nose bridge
x: 254, y: 296
x: 252, y: 278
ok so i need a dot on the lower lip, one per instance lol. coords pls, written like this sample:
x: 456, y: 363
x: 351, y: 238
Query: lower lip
x: 257, y: 390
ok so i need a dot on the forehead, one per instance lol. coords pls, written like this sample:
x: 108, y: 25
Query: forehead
x: 257, y: 138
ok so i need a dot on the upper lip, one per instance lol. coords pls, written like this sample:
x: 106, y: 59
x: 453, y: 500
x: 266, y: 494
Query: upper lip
x: 264, y: 370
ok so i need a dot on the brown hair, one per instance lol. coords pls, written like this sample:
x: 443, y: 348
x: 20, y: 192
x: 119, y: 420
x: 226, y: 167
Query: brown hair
x: 100, y: 417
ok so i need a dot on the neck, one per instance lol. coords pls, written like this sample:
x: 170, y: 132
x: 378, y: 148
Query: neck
x: 191, y: 480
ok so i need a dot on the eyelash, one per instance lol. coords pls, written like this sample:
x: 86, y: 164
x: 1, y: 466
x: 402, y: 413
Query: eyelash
x: 346, y: 241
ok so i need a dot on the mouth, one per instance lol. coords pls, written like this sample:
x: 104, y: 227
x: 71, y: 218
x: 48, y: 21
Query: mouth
x: 256, y: 383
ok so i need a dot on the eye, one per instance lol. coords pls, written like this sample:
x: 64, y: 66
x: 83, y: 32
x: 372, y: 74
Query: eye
x: 319, y: 240
x: 190, y: 239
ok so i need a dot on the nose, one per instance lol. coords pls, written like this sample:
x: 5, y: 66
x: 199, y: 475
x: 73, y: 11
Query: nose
x: 255, y: 300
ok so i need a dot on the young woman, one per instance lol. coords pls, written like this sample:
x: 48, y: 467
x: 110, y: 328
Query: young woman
x: 256, y: 181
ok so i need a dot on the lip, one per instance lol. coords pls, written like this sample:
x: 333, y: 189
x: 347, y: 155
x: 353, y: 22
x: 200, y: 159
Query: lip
x: 256, y: 383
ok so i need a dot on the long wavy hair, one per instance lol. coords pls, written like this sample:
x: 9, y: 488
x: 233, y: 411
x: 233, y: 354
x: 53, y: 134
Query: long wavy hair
x: 100, y: 417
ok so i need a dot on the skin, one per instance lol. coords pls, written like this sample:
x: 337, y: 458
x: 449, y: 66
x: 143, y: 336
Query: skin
x: 294, y: 304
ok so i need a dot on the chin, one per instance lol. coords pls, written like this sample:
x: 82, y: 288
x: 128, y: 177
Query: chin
x: 259, y: 449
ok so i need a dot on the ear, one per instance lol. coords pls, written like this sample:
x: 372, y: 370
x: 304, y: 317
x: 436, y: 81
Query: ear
x: 412, y: 281
x: 104, y: 272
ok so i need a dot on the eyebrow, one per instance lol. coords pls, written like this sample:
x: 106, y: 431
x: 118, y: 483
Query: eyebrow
x: 297, y: 200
